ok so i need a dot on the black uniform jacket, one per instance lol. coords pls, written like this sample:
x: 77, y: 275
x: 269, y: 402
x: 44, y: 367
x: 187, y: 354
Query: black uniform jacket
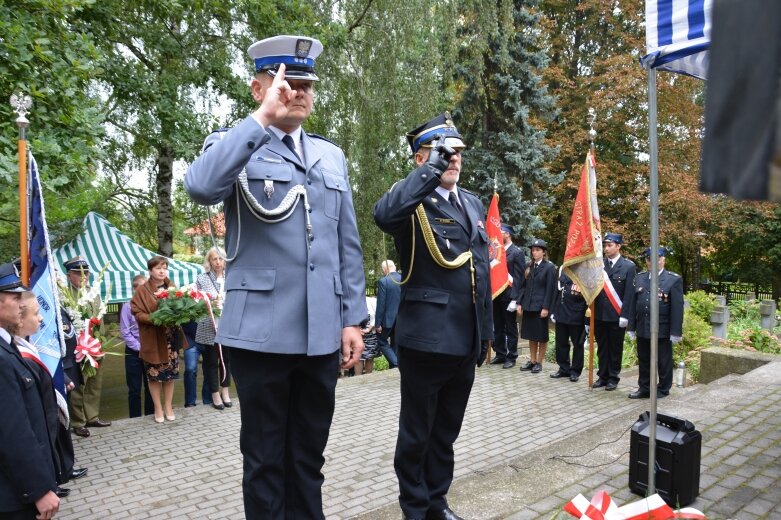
x: 670, y: 305
x: 27, y: 469
x: 437, y: 303
x: 570, y: 307
x: 538, y: 288
x: 622, y: 276
x: 516, y: 265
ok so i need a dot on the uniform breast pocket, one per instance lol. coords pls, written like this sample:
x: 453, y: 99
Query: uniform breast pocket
x: 335, y: 185
x: 448, y: 237
x: 424, y: 313
x: 483, y: 235
x: 280, y: 174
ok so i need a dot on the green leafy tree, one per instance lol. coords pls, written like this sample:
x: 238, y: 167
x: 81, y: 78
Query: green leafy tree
x: 503, y: 108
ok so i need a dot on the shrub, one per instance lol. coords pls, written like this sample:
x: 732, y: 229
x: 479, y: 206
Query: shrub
x: 701, y: 304
x: 696, y: 336
x: 744, y: 309
x: 380, y: 364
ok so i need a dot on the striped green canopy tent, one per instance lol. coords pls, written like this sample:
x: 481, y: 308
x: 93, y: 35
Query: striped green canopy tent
x: 101, y: 243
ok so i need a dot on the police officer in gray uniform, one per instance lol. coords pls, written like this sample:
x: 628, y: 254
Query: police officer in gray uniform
x: 444, y: 320
x: 294, y: 279
x: 670, y: 325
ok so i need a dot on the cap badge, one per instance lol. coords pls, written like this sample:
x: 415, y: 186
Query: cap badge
x: 302, y: 48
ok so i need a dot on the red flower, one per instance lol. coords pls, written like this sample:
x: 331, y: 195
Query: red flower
x: 162, y: 295
x: 94, y: 321
x: 179, y: 294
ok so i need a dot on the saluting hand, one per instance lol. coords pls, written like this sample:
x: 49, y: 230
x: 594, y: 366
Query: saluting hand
x: 352, y: 347
x: 275, y: 100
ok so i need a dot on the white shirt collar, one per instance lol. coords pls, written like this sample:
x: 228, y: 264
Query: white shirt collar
x: 507, y: 246
x: 446, y: 193
x: 295, y: 134
x: 614, y: 260
x: 5, y: 335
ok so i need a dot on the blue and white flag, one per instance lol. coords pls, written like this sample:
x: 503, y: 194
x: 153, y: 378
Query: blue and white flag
x: 48, y: 340
x: 678, y: 36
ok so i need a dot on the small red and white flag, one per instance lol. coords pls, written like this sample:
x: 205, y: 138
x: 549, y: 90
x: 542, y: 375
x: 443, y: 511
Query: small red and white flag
x: 500, y: 277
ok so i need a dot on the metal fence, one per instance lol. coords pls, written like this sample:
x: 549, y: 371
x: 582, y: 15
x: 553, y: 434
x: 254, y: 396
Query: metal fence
x: 738, y: 291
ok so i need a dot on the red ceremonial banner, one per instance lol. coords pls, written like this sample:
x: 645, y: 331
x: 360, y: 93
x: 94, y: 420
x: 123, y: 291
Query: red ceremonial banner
x: 500, y: 278
x: 583, y: 256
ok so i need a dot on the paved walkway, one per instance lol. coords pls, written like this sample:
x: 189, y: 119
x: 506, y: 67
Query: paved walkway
x: 528, y: 445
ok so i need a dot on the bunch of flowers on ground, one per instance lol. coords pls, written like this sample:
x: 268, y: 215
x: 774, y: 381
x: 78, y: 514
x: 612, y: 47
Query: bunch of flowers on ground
x: 181, y: 305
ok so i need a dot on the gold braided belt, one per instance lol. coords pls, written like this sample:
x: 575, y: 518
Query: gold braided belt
x: 436, y: 254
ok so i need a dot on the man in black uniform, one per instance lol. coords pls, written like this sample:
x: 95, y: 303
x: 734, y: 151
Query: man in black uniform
x: 670, y: 325
x: 612, y: 310
x: 506, y: 304
x: 444, y: 320
x: 27, y: 472
x: 569, y: 315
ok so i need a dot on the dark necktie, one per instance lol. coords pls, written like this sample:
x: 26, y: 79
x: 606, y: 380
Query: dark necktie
x: 454, y: 201
x: 610, y: 264
x: 288, y: 140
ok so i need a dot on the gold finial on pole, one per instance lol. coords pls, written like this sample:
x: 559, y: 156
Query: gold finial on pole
x: 592, y: 134
x: 21, y: 104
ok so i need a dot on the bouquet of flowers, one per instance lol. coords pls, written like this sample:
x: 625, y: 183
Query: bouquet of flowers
x: 178, y: 306
x: 86, y: 309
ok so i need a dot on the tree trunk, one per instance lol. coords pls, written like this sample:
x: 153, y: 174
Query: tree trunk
x: 165, y: 215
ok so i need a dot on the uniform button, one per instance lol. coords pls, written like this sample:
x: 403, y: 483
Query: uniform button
x: 424, y: 176
x: 250, y: 144
x: 311, y: 267
x: 309, y: 181
x: 243, y: 283
x: 425, y: 295
x: 268, y: 175
x: 444, y: 232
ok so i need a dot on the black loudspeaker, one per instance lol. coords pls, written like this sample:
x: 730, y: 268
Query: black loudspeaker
x: 678, y: 446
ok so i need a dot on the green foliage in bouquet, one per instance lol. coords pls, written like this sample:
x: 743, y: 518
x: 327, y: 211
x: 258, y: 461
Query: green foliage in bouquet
x: 176, y: 307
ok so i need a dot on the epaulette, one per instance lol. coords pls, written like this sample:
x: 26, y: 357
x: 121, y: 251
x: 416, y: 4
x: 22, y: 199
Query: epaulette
x: 466, y: 191
x: 674, y: 274
x: 213, y: 137
x: 323, y: 138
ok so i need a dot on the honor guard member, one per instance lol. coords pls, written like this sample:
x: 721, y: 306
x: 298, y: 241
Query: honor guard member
x: 569, y: 315
x: 444, y: 320
x: 28, y: 482
x: 294, y: 278
x: 670, y: 296
x: 536, y: 298
x: 84, y: 399
x: 505, y: 305
x: 613, y: 308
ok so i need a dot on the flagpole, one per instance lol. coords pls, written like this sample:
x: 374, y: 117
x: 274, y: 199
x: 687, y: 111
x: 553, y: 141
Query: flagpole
x: 21, y: 105
x: 654, y: 272
x: 592, y: 135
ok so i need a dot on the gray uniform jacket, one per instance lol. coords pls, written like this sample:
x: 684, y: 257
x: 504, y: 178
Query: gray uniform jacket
x: 437, y: 313
x: 281, y: 295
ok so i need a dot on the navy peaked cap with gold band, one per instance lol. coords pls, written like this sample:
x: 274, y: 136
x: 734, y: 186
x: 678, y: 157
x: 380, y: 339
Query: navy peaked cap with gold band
x: 9, y: 279
x: 441, y: 127
x: 506, y: 228
x: 298, y: 53
x: 614, y: 237
x: 77, y: 263
x: 538, y: 242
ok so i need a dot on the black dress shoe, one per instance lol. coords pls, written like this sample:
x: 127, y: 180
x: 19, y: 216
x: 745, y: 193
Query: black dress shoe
x: 78, y: 473
x: 537, y: 368
x: 220, y: 406
x: 611, y: 386
x: 574, y: 378
x: 444, y: 514
x: 62, y: 492
x: 98, y: 423
x: 227, y: 404
x: 639, y: 394
x: 81, y: 431
x: 527, y: 366
x: 497, y: 361
x: 557, y: 375
x: 509, y: 363
x: 599, y: 383
x: 661, y: 395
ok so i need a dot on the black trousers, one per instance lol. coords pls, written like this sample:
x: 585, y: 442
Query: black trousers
x: 664, y: 362
x: 28, y: 513
x: 136, y: 379
x: 564, y: 334
x: 505, y: 342
x: 434, y: 393
x: 287, y: 404
x: 610, y: 348
x: 213, y: 371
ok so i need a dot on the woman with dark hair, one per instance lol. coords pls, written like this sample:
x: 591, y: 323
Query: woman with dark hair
x: 159, y: 345
x: 537, y: 293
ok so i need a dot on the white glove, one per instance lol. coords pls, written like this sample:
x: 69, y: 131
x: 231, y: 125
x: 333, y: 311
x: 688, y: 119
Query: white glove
x: 632, y: 335
x: 513, y: 306
x: 553, y: 318
x: 588, y: 328
x: 676, y: 339
x: 623, y: 322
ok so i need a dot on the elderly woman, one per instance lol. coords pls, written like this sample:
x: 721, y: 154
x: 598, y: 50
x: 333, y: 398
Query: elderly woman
x: 159, y: 345
x: 217, y: 374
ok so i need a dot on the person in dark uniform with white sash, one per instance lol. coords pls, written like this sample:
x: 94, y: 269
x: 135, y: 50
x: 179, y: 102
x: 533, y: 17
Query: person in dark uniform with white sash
x: 444, y: 321
x: 670, y: 296
x: 294, y: 281
x: 613, y: 308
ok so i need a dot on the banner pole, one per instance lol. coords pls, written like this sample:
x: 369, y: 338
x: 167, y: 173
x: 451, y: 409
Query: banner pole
x: 591, y: 346
x: 21, y: 105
